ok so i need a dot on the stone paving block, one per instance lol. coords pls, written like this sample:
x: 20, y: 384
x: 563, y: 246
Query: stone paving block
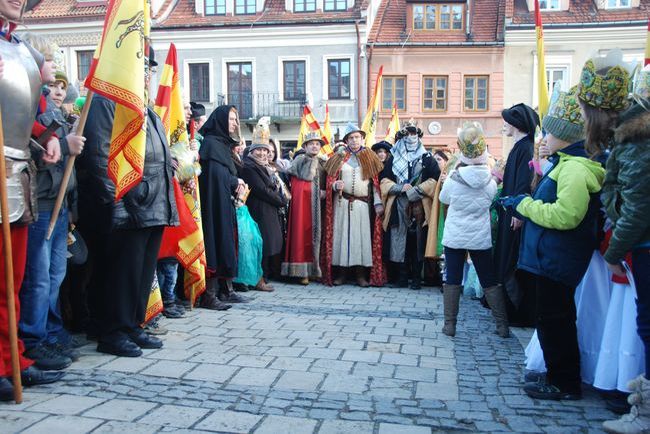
x: 240, y: 333
x: 174, y: 416
x: 436, y: 391
x: 283, y: 424
x: 438, y: 363
x: 324, y: 365
x: 128, y: 364
x: 391, y: 428
x: 170, y: 369
x: 346, y: 344
x: 64, y: 424
x: 216, y: 358
x: 170, y: 354
x: 209, y: 372
x: 446, y: 377
x: 416, y: 374
x: 391, y: 388
x: 419, y: 350
x: 67, y: 405
x: 374, y: 370
x: 323, y: 353
x: 120, y: 409
x: 294, y: 380
x: 303, y: 334
x: 30, y: 399
x: 312, y: 343
x: 92, y: 361
x: 255, y: 377
x: 345, y: 383
x: 399, y: 359
x: 291, y: 363
x: 274, y: 334
x: 17, y: 421
x: 285, y: 351
x: 360, y: 356
x: 384, y: 348
x: 242, y: 341
x: 118, y: 427
x: 251, y: 361
x: 229, y: 421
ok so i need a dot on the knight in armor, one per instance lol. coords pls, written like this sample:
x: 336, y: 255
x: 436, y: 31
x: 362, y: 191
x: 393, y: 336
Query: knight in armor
x: 123, y: 236
x: 408, y: 178
x: 19, y: 101
x: 41, y: 324
x: 353, y: 210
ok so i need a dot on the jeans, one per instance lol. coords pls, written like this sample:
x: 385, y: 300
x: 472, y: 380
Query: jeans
x: 641, y: 273
x: 40, y: 314
x: 167, y: 272
x: 483, y: 263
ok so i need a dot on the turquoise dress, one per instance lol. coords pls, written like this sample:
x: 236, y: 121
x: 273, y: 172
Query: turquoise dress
x: 249, y: 271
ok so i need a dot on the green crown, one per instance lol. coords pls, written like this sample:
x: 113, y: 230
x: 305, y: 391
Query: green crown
x: 471, y: 140
x: 607, y: 91
x: 565, y: 106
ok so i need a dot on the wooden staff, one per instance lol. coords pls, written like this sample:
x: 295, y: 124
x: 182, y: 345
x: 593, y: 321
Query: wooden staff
x: 9, y: 273
x: 69, y: 167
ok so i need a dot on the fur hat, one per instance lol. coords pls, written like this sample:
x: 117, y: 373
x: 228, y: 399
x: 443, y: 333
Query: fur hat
x: 410, y: 127
x: 564, y: 119
x: 351, y: 128
x: 471, y: 141
x: 608, y: 91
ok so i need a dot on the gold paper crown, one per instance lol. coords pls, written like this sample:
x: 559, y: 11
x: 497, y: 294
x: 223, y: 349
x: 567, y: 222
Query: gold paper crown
x: 565, y: 106
x: 261, y: 132
x: 313, y: 135
x: 641, y: 87
x: 607, y: 91
x: 471, y: 140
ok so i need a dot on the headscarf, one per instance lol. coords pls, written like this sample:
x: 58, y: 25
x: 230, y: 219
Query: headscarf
x: 403, y: 155
x: 217, y: 143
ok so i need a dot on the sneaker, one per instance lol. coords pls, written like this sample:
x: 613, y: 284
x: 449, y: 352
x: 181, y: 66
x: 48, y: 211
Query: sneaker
x: 535, y: 377
x: 549, y: 392
x: 47, y: 359
x: 65, y: 350
x: 179, y: 307
x: 6, y: 390
x: 170, y: 311
x: 33, y: 376
x: 153, y: 327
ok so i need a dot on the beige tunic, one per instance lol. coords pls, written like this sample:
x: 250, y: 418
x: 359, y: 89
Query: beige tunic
x: 352, y: 244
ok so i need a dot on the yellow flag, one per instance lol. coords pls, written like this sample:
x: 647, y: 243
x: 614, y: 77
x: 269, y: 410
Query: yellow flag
x: 307, y: 123
x: 327, y: 133
x: 369, y: 125
x: 393, y: 126
x: 542, y: 85
x: 117, y: 73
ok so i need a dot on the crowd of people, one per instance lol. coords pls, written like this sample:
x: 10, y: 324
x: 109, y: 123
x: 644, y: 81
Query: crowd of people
x: 557, y: 235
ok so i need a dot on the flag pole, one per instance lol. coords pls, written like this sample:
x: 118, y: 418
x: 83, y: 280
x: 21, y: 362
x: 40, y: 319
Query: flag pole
x: 68, y: 167
x: 9, y: 273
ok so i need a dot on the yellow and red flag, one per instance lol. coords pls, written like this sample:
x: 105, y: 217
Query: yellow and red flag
x: 542, y: 84
x: 647, y: 47
x: 307, y: 123
x: 393, y: 126
x: 369, y: 125
x: 185, y: 241
x: 113, y: 74
x: 327, y: 133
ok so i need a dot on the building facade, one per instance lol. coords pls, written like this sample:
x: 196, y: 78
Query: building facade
x: 442, y: 65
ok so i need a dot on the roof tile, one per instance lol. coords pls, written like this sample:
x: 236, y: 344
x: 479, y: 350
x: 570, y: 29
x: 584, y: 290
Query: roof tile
x: 581, y: 11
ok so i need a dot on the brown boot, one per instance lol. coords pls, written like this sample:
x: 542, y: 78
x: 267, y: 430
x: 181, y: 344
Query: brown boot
x: 361, y: 276
x: 341, y: 275
x: 451, y: 300
x: 209, y: 298
x: 497, y: 302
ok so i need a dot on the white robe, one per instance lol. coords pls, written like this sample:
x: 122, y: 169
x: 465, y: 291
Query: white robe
x: 352, y: 245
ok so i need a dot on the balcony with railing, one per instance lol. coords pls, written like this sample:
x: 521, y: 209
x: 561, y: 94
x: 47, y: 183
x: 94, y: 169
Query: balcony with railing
x: 254, y: 105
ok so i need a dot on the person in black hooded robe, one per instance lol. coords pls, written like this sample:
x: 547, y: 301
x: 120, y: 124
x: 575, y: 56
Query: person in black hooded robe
x: 520, y: 122
x: 218, y: 185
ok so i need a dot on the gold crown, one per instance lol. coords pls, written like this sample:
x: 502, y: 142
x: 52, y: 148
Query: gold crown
x: 607, y: 91
x: 471, y: 140
x: 262, y: 132
x: 313, y: 135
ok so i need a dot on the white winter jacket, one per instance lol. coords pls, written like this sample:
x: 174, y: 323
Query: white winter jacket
x: 469, y: 192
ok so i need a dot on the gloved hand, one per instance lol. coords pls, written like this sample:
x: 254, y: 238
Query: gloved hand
x: 512, y: 201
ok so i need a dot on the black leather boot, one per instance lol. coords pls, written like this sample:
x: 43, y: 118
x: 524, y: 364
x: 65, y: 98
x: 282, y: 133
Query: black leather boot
x: 209, y: 298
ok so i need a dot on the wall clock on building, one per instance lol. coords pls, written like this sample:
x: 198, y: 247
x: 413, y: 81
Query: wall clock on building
x: 435, y: 128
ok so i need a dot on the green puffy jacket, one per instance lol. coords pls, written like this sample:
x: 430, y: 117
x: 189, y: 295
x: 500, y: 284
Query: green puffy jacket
x: 626, y: 192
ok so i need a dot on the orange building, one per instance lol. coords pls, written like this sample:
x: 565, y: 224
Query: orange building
x: 443, y: 65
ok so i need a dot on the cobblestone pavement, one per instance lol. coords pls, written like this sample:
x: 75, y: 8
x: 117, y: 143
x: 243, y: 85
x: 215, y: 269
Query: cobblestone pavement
x: 308, y: 359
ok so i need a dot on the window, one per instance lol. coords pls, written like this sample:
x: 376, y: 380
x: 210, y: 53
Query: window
x: 199, y: 81
x: 476, y: 93
x: 304, y: 6
x: 84, y: 59
x: 240, y: 88
x: 557, y: 74
x: 245, y: 7
x: 549, y: 5
x: 338, y: 79
x: 438, y: 16
x: 393, y: 93
x: 215, y: 7
x: 294, y: 80
x: 614, y: 4
x: 336, y: 5
x: 434, y: 96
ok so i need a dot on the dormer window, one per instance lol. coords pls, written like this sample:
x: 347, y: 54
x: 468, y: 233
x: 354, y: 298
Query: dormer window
x: 245, y: 7
x: 304, y: 6
x: 215, y: 7
x: 549, y: 5
x: 618, y: 4
x: 335, y: 5
x: 438, y: 16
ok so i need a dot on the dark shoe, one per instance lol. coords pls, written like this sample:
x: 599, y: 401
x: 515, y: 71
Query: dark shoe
x: 233, y: 297
x: 616, y: 402
x: 46, y: 359
x: 33, y: 376
x: 180, y: 307
x: 65, y: 350
x: 450, y: 304
x: 170, y: 311
x: 144, y: 341
x: 6, y: 390
x: 535, y: 377
x: 484, y: 302
x: 550, y: 392
x: 415, y: 284
x: 341, y: 276
x: 153, y: 327
x: 215, y: 304
x: 361, y: 277
x: 240, y: 287
x: 121, y: 347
